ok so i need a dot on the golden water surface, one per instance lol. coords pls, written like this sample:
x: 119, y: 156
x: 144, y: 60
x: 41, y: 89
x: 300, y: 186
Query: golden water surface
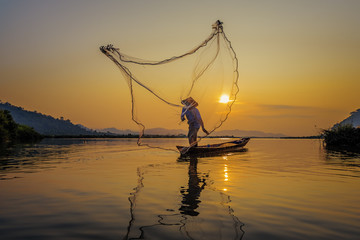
x: 112, y: 189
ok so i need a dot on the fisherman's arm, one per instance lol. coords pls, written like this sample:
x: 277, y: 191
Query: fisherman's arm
x: 183, y: 114
x: 203, y: 127
x: 198, y: 117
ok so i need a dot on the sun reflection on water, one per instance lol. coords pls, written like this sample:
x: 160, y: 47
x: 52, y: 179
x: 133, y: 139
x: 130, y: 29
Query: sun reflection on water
x: 226, y: 176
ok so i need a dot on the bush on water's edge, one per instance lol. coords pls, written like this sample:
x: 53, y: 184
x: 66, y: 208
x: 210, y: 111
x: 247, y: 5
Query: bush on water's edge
x: 11, y: 132
x: 343, y: 137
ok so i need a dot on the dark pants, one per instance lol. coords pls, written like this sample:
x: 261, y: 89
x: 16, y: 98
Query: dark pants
x: 192, y: 135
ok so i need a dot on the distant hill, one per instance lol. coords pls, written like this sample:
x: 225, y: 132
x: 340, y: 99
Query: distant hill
x: 177, y: 132
x: 44, y: 124
x: 164, y: 131
x: 150, y: 131
x: 353, y: 119
x: 117, y: 131
x: 244, y: 133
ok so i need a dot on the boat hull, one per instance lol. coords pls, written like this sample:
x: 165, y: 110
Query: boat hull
x: 225, y: 147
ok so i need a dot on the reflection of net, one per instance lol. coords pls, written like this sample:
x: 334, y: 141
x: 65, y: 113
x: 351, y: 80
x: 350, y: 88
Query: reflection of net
x: 204, y: 73
x: 216, y: 220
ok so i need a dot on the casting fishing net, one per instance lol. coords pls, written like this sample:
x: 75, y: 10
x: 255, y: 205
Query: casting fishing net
x: 207, y: 74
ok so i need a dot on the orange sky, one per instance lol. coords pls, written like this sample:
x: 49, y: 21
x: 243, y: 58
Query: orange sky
x: 298, y: 60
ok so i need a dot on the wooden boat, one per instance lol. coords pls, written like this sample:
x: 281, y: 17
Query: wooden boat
x: 219, y: 148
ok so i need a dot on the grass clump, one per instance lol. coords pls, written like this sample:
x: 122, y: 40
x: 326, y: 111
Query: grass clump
x: 343, y: 137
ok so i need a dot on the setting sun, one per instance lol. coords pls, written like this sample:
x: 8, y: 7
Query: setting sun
x: 224, y: 98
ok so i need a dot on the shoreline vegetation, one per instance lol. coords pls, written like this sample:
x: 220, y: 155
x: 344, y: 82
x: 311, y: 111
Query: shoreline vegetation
x: 12, y: 132
x: 167, y: 136
x: 342, y: 137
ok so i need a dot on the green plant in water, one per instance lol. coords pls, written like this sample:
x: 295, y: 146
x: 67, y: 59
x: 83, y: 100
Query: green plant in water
x: 345, y: 137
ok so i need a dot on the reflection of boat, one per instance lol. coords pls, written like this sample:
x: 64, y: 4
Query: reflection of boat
x: 231, y: 146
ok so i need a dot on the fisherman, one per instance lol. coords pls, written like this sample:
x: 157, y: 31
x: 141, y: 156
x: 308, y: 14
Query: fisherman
x: 194, y: 119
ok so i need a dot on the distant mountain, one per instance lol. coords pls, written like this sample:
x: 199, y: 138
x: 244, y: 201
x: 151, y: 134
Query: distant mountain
x: 244, y: 133
x: 164, y: 131
x: 177, y: 132
x: 150, y: 131
x: 117, y: 131
x: 44, y: 124
x: 353, y: 119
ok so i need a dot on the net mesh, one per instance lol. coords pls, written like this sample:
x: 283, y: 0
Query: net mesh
x: 208, y: 73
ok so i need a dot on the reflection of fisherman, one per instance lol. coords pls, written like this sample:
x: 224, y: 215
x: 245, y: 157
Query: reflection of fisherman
x: 190, y: 201
x: 194, y: 119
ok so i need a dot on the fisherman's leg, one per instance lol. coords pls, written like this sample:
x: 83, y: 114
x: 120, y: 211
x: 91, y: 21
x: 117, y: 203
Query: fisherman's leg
x: 192, y: 134
x: 195, y: 136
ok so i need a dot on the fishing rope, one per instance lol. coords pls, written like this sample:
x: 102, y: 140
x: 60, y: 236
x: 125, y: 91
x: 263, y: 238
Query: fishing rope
x: 132, y: 201
x: 238, y: 225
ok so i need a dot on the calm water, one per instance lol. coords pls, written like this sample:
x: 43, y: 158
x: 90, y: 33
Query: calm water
x: 112, y: 189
